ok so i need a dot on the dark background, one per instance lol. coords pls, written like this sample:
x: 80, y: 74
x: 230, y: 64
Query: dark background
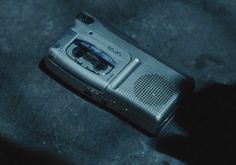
x: 42, y: 122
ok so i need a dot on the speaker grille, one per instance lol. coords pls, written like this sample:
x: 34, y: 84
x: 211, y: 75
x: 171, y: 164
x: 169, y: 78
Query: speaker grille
x: 153, y: 90
x: 150, y: 87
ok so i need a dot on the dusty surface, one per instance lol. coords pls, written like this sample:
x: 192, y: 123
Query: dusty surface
x: 43, y: 121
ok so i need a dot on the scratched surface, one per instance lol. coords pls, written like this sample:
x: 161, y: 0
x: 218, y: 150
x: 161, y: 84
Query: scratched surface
x: 42, y: 122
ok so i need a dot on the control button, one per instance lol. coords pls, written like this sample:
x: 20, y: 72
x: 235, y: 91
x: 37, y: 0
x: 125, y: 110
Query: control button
x: 85, y: 18
x: 126, y: 109
x: 88, y: 93
x: 93, y: 91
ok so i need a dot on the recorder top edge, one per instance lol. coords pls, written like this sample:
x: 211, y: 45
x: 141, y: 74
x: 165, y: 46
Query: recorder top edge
x: 107, y: 53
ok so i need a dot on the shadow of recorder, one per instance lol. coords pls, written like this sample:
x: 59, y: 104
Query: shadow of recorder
x: 110, y: 70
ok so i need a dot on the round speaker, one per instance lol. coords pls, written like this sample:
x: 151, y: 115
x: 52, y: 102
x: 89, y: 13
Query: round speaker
x: 153, y: 89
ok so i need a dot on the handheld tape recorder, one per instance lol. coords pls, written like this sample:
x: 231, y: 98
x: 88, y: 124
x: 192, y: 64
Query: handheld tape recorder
x: 110, y: 70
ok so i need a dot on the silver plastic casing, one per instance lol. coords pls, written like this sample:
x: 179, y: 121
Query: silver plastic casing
x: 139, y: 87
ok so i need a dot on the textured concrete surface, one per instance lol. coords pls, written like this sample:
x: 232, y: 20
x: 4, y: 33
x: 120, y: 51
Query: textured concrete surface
x: 42, y: 122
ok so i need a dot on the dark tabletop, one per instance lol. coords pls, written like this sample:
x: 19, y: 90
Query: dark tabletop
x: 44, y: 122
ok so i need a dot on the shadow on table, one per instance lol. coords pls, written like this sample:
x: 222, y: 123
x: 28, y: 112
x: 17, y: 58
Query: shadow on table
x: 209, y: 118
x: 14, y: 154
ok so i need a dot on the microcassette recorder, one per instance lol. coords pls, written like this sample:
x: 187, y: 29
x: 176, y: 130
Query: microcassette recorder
x: 108, y: 69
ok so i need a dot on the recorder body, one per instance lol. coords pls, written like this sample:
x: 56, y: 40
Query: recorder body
x: 115, y: 73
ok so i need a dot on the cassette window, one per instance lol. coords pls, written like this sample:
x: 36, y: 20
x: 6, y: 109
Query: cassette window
x: 90, y: 57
